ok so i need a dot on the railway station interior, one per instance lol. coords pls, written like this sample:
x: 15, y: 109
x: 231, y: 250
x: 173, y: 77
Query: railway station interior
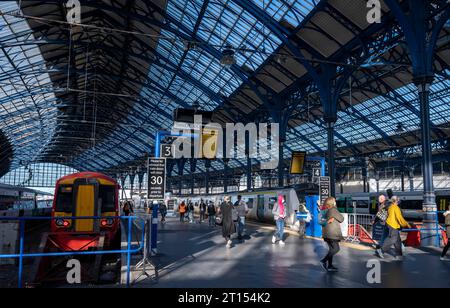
x: 225, y: 144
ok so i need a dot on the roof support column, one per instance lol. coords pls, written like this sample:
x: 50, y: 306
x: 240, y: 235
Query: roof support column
x: 422, y: 27
x: 207, y: 168
x: 180, y: 164
x: 193, y: 166
x: 282, y: 117
x: 429, y: 197
x: 140, y: 180
x: 225, y: 177
x: 330, y: 157
x: 329, y: 94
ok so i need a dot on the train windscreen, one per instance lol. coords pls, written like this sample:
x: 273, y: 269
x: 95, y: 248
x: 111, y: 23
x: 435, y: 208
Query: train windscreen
x: 107, y: 198
x: 64, y: 199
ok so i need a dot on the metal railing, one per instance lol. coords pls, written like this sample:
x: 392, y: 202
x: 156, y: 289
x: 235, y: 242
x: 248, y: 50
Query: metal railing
x: 21, y: 255
x: 358, y: 223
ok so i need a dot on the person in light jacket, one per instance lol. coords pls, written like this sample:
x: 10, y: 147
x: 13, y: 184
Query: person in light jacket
x: 331, y: 233
x: 279, y: 214
x: 447, y: 225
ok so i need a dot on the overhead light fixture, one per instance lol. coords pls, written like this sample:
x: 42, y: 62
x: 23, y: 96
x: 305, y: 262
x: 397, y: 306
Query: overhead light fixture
x: 228, y: 56
x: 190, y: 45
x: 281, y: 59
x: 400, y: 129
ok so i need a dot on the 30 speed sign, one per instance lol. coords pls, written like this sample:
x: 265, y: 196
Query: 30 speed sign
x: 156, y: 178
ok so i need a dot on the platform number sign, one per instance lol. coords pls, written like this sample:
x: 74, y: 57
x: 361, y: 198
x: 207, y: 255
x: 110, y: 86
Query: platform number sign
x: 316, y: 172
x: 156, y: 178
x: 324, y: 188
x: 167, y: 151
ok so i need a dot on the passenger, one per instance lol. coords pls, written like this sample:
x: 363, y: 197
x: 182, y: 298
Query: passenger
x: 331, y: 233
x: 228, y: 225
x: 211, y: 214
x: 381, y: 217
x: 182, y: 209
x: 191, y: 212
x: 279, y: 212
x: 447, y: 225
x: 127, y: 209
x: 163, y: 211
x: 302, y: 222
x: 242, y: 210
x: 202, y: 210
x: 394, y: 222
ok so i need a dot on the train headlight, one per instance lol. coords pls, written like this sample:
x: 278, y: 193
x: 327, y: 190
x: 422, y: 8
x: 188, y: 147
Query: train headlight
x: 59, y: 222
x: 106, y: 222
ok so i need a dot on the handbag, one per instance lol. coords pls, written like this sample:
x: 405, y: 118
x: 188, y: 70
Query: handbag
x: 219, y: 220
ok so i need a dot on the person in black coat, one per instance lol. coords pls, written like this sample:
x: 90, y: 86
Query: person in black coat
x: 228, y: 225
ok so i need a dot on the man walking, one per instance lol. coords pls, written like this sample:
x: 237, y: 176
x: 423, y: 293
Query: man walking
x: 242, y: 210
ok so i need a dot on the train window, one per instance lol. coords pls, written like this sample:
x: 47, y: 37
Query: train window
x: 107, y: 198
x: 250, y: 203
x: 341, y: 203
x: 442, y: 203
x: 362, y: 204
x: 411, y: 204
x: 64, y: 199
x: 272, y: 201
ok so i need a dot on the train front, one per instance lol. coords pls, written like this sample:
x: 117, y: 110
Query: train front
x: 85, y: 194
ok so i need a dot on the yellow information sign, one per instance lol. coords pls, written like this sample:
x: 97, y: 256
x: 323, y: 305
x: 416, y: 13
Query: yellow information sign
x: 298, y: 162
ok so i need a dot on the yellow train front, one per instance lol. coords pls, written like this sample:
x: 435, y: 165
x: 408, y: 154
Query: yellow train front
x: 85, y: 194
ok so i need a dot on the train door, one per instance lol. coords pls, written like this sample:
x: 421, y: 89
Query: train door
x: 86, y: 204
x: 260, y: 208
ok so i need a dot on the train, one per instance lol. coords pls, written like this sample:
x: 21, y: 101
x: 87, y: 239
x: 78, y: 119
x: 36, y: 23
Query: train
x: 86, y: 194
x: 410, y: 203
x: 261, y: 202
x: 22, y: 201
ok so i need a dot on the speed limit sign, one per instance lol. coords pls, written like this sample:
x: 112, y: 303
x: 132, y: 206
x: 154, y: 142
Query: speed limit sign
x: 156, y: 178
x: 324, y: 188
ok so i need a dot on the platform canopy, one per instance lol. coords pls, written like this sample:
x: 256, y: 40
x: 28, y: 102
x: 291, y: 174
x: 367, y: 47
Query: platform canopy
x: 92, y: 95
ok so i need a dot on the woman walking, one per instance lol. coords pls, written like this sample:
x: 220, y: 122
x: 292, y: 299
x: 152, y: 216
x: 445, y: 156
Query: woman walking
x: 331, y: 233
x: 228, y: 225
x: 279, y: 213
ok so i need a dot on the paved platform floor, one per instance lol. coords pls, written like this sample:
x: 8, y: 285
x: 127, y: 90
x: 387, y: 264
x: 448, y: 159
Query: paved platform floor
x: 195, y: 256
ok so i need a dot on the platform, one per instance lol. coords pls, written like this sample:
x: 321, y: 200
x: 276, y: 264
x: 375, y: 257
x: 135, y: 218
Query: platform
x: 195, y: 256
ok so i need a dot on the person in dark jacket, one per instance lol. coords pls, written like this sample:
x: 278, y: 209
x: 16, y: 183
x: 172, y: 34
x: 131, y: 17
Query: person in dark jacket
x: 447, y: 225
x: 228, y: 225
x: 202, y: 211
x: 211, y: 214
x: 163, y: 211
x: 331, y: 233
x: 128, y: 208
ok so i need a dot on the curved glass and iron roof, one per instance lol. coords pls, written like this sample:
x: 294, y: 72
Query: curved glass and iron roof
x: 94, y: 97
x: 27, y: 101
